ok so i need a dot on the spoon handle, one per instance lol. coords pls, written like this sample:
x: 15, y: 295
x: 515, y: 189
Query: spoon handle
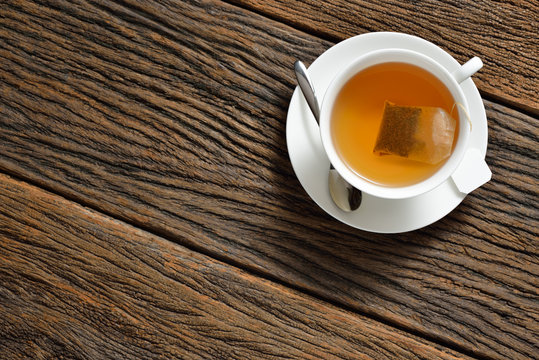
x: 344, y: 195
x: 307, y: 88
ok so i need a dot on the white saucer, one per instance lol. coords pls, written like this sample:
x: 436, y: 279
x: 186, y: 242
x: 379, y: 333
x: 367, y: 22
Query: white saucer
x: 311, y: 164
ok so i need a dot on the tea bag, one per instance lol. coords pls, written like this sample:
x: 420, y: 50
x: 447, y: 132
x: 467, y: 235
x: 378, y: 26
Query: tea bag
x: 417, y: 133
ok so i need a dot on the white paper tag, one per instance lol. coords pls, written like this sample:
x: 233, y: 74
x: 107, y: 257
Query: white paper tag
x: 472, y: 172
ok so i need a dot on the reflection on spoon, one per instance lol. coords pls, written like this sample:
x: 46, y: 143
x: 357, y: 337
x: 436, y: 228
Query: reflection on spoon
x: 344, y: 195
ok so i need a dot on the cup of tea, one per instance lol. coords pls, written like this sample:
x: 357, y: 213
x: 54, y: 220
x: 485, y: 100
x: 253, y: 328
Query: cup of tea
x: 355, y: 107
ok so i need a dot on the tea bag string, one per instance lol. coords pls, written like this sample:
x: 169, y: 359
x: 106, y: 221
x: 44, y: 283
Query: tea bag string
x: 464, y: 111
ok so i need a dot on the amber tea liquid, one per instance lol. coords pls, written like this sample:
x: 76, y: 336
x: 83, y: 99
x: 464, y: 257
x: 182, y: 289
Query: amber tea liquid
x: 358, y: 111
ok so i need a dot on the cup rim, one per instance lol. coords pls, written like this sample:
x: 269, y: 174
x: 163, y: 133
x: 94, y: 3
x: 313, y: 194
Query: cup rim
x: 384, y: 56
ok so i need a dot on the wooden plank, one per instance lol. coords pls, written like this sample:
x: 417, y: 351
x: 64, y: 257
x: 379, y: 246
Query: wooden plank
x: 502, y: 33
x: 77, y: 284
x: 170, y: 116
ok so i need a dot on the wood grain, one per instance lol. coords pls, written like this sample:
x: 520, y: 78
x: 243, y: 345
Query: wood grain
x: 170, y: 116
x: 76, y: 284
x: 504, y: 34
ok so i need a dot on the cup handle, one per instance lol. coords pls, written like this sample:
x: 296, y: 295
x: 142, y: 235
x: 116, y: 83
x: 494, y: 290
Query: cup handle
x: 472, y: 172
x: 467, y: 69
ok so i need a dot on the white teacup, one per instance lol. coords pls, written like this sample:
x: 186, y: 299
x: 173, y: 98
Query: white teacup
x: 466, y: 166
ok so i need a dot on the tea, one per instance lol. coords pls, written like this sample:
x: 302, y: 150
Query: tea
x: 358, y: 110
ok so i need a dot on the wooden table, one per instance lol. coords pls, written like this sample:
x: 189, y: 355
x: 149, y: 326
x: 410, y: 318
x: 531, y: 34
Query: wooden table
x: 148, y: 207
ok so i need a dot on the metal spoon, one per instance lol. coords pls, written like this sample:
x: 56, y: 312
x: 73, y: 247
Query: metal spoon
x: 344, y: 195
